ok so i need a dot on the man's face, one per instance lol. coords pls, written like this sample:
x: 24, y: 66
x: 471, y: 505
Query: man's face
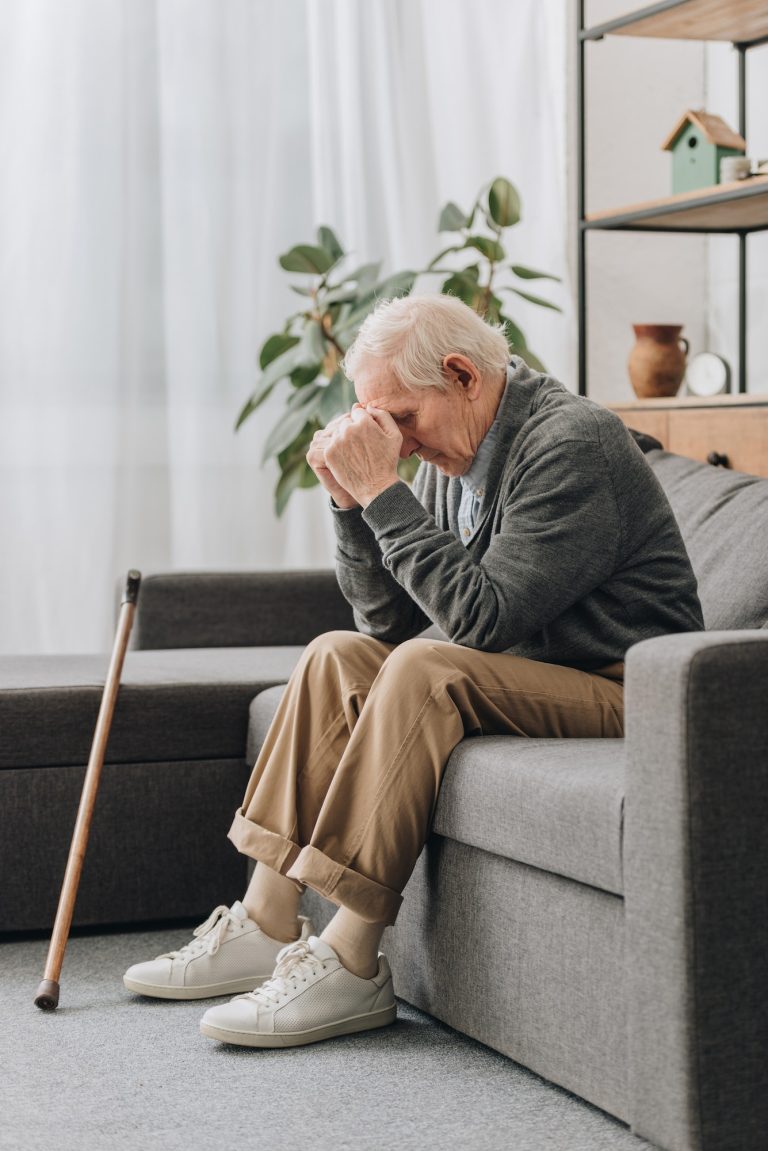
x: 434, y: 425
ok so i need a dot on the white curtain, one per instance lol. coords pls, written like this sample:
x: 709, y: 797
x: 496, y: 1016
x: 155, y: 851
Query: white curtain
x: 157, y: 156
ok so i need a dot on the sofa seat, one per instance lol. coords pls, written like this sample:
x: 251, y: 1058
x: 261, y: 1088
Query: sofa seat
x: 554, y: 804
x: 181, y: 704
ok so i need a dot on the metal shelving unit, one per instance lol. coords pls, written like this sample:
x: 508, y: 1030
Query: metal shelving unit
x: 738, y: 208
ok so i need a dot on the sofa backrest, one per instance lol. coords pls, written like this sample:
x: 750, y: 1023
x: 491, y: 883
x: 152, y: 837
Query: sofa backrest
x: 723, y: 518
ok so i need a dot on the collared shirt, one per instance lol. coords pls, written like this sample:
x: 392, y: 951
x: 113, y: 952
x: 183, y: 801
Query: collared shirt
x: 473, y: 484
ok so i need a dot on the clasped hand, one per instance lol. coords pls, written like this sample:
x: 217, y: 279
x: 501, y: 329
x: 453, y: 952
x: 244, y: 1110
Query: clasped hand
x: 355, y: 457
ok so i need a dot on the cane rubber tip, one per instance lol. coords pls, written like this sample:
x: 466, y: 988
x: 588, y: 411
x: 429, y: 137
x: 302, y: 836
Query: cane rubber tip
x: 47, y: 998
x: 132, y: 583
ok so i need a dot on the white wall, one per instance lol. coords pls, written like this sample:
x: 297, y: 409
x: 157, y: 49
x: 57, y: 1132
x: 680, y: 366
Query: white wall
x: 722, y: 271
x: 635, y: 91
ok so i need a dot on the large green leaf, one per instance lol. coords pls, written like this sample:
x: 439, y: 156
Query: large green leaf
x: 300, y: 377
x: 295, y: 471
x: 529, y: 273
x: 275, y: 346
x: 307, y: 258
x: 452, y: 219
x: 490, y: 248
x: 297, y: 449
x: 445, y: 252
x: 504, y: 203
x: 398, y: 284
x: 334, y: 397
x: 343, y: 294
x: 303, y: 397
x: 533, y: 299
x: 518, y: 345
x: 326, y: 238
x: 278, y: 369
x: 287, y: 484
x: 531, y: 360
x: 366, y: 276
x: 295, y: 474
x: 308, y: 477
x: 312, y: 348
x: 464, y: 287
x: 515, y: 337
x: 248, y: 408
x: 289, y: 426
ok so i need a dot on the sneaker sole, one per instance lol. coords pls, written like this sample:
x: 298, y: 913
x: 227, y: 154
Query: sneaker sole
x: 209, y: 991
x: 297, y: 1038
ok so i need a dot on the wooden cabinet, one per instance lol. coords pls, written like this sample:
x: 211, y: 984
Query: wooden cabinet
x: 727, y: 431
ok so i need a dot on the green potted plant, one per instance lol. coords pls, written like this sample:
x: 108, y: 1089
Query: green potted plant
x: 488, y: 271
x: 303, y: 359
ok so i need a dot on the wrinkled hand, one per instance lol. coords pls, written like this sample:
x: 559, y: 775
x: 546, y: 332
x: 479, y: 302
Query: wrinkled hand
x: 359, y: 451
x: 316, y: 459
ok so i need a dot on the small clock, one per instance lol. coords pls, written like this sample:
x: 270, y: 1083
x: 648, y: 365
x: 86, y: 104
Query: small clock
x: 707, y: 375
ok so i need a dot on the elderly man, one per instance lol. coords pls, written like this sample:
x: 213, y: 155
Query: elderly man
x: 539, y: 542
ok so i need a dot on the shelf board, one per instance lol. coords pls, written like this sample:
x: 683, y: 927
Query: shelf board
x: 736, y: 207
x: 729, y: 400
x: 738, y: 21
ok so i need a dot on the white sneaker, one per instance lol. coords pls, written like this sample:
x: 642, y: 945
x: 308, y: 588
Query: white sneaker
x: 229, y: 953
x: 311, y: 996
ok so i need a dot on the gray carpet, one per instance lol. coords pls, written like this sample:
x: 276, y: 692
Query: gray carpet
x: 111, y: 1070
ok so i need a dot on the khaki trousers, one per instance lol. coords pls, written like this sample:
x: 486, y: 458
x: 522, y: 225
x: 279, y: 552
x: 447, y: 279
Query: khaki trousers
x: 342, y: 795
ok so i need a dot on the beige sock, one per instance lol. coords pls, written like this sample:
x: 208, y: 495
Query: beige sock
x: 272, y: 901
x: 355, y: 941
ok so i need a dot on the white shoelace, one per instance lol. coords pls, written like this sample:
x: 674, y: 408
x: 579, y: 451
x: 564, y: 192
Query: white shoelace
x: 208, y: 935
x: 294, y: 963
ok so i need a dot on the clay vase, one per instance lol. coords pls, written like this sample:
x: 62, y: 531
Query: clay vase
x: 657, y: 361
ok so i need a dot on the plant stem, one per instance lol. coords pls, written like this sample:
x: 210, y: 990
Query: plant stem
x: 325, y: 324
x: 487, y: 289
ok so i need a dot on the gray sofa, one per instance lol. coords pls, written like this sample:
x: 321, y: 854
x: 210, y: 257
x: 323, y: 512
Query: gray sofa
x: 596, y: 909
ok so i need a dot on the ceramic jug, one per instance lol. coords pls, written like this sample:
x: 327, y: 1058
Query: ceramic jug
x: 657, y: 361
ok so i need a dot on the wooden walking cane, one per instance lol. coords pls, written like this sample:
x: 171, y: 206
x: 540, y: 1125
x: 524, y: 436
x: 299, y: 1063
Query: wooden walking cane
x: 47, y: 997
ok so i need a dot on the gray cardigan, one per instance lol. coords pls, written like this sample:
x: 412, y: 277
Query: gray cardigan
x: 577, y: 554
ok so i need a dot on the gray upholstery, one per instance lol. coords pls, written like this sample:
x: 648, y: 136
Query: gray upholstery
x: 528, y: 962
x: 696, y: 862
x: 157, y: 847
x: 237, y: 609
x: 172, y: 705
x: 723, y: 518
x: 174, y: 774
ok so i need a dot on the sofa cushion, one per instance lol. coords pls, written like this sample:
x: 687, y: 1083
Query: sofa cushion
x: 172, y: 705
x: 555, y: 804
x: 723, y: 518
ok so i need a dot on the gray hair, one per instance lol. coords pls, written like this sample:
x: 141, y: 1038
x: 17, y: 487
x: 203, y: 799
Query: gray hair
x: 415, y: 333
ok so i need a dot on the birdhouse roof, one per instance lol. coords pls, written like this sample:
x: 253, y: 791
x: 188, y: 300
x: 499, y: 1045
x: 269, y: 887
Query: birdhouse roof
x: 713, y: 129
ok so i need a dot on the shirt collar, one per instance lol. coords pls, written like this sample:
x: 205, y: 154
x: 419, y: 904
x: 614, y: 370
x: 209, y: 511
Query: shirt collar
x: 476, y: 475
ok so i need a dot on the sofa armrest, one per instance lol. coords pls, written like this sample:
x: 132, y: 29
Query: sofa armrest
x: 696, y: 887
x: 238, y: 609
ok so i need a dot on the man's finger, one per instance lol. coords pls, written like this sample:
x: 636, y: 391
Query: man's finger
x: 384, y: 420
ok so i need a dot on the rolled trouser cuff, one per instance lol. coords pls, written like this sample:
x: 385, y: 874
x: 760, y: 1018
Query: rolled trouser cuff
x: 366, y: 898
x: 268, y: 847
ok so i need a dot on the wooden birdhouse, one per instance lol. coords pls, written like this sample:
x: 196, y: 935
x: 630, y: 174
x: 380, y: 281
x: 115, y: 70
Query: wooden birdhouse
x: 698, y: 143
